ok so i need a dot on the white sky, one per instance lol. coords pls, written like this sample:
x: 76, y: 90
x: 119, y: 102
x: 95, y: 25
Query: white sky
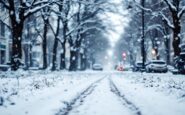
x: 118, y: 22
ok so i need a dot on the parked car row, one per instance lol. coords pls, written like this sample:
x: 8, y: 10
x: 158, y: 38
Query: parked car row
x: 161, y: 66
x: 151, y: 66
x: 7, y: 66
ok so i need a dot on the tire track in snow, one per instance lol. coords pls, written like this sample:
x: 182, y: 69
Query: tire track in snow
x: 126, y: 102
x: 79, y: 99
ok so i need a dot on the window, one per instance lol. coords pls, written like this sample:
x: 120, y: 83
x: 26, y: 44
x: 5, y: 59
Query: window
x: 2, y: 56
x: 2, y: 28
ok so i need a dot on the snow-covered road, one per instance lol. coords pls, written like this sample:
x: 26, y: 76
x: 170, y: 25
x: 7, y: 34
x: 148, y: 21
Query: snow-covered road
x: 100, y: 102
x: 92, y: 93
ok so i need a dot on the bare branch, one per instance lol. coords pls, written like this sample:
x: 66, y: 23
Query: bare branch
x: 52, y: 29
x: 181, y: 12
x: 39, y: 33
x: 34, y: 10
x: 167, y: 21
x: 170, y: 5
x: 5, y: 4
x: 9, y: 27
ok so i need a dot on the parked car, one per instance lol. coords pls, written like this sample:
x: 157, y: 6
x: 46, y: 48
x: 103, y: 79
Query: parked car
x: 179, y: 61
x: 4, y: 67
x: 120, y: 68
x: 97, y: 67
x: 157, y: 66
x: 138, y: 66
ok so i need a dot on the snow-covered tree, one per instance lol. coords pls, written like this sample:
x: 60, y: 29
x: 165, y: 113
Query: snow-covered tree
x: 86, y: 13
x: 19, y: 11
x: 177, y: 9
x: 160, y: 16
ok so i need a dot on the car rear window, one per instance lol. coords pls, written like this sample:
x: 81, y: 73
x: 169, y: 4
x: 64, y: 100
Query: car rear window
x: 139, y: 63
x: 158, y: 62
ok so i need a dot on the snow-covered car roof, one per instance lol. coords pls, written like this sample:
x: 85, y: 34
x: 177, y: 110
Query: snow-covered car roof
x: 97, y: 64
x: 182, y: 53
x: 157, y: 61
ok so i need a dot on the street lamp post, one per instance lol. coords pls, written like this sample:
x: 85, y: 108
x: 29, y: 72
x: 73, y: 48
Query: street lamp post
x: 143, y: 35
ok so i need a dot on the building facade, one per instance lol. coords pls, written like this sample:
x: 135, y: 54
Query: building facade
x: 4, y: 38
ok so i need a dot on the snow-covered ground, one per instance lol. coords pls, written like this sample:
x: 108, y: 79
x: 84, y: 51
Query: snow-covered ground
x: 91, y: 93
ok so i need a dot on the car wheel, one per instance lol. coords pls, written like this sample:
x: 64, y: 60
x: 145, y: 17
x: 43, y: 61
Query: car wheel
x: 166, y: 71
x: 149, y: 70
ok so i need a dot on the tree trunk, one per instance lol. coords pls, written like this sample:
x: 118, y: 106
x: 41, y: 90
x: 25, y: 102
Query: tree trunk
x: 176, y: 37
x: 176, y: 30
x: 73, y: 60
x: 83, y: 63
x: 30, y: 54
x: 54, y: 60
x: 62, y: 57
x: 44, y: 44
x: 132, y: 62
x: 26, y: 52
x: 167, y: 45
x: 26, y: 48
x: 16, y: 46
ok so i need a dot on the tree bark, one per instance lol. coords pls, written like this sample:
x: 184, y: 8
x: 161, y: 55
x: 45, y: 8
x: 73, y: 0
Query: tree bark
x: 62, y: 58
x: 30, y: 55
x: 54, y: 60
x: 16, y: 45
x: 73, y: 60
x: 176, y: 37
x: 55, y: 46
x: 167, y: 44
x: 44, y: 44
x: 83, y: 62
x: 26, y: 52
x: 176, y: 25
x: 17, y: 14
